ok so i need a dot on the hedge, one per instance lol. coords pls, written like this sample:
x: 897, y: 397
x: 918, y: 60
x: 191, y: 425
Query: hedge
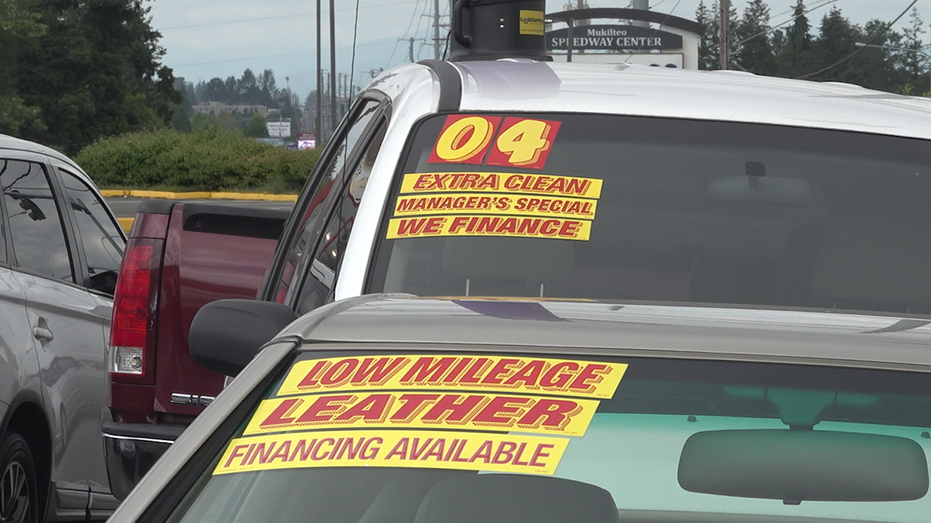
x: 209, y: 160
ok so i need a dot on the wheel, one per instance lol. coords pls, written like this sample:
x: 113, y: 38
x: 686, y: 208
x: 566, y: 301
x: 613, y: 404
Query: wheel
x: 18, y: 497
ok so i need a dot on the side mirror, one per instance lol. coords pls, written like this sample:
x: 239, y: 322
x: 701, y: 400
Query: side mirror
x: 226, y: 334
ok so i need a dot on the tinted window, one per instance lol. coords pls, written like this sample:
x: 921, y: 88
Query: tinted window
x: 35, y: 223
x: 319, y: 282
x: 103, y: 244
x: 609, y: 207
x: 317, y: 195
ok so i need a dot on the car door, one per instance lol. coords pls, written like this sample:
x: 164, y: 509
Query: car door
x: 99, y: 242
x: 68, y: 322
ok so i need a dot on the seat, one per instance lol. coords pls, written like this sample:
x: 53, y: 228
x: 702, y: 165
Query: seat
x: 511, y: 498
x: 874, y: 263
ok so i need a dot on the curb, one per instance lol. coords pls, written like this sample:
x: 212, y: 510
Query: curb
x: 254, y: 196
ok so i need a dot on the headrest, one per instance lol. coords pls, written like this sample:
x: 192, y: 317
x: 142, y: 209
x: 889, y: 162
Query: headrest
x: 508, y: 498
x: 870, y: 260
x: 528, y: 259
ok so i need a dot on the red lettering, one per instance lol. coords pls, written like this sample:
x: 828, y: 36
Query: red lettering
x: 427, y: 370
x: 316, y: 456
x: 413, y: 404
x: 590, y: 375
x: 400, y: 449
x: 373, y: 408
x: 453, y: 408
x: 538, y: 453
x: 505, y: 453
x: 518, y: 454
x: 339, y: 373
x: 459, y: 223
x: 434, y: 225
x: 550, y: 228
x: 236, y: 453
x: 411, y: 226
x: 473, y: 374
x: 556, y: 378
x: 550, y: 413
x: 283, y: 451
x: 503, y: 366
x: 310, y: 380
x: 529, y: 374
x: 577, y: 186
x: 570, y: 229
x: 324, y: 408
x: 278, y: 416
x: 377, y: 371
x: 501, y: 410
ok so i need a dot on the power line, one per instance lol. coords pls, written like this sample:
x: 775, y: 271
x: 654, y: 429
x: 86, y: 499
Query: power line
x: 859, y: 50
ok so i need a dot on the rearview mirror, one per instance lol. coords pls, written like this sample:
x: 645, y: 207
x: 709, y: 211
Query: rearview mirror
x: 803, y: 465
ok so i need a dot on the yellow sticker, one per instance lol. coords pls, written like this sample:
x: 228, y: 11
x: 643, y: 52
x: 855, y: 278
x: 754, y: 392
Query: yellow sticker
x: 410, y: 449
x: 586, y: 379
x: 531, y: 22
x: 459, y: 203
x: 430, y: 410
x: 483, y: 225
x: 515, y: 183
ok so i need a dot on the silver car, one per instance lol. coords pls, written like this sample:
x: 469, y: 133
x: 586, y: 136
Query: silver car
x: 472, y: 410
x: 59, y: 258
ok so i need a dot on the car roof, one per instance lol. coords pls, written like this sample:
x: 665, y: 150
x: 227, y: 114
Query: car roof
x: 18, y: 144
x: 662, y: 330
x: 632, y: 89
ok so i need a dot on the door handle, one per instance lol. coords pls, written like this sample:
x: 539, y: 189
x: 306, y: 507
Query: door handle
x: 42, y: 332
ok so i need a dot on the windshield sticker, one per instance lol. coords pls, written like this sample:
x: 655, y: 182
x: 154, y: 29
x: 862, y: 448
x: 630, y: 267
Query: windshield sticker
x: 411, y: 449
x: 558, y: 228
x: 497, y: 204
x: 585, y: 379
x: 515, y: 142
x: 566, y: 416
x: 508, y: 183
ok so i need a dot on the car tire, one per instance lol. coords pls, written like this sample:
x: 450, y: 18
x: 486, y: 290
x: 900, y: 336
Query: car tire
x: 18, y: 495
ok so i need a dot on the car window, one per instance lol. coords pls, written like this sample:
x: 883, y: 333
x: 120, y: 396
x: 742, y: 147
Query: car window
x: 35, y: 223
x: 319, y: 281
x: 319, y: 200
x: 421, y: 437
x: 665, y: 210
x: 103, y: 244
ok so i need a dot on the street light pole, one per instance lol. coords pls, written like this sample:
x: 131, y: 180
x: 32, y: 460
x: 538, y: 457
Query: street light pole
x: 903, y: 49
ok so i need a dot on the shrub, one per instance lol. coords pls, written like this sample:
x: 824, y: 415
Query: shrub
x: 207, y: 160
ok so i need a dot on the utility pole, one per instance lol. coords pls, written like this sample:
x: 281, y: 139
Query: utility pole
x: 318, y: 119
x: 333, y: 120
x: 724, y: 44
x: 642, y: 5
x: 436, y: 29
x: 410, y: 51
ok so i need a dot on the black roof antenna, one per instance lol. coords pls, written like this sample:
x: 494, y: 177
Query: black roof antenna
x: 492, y: 29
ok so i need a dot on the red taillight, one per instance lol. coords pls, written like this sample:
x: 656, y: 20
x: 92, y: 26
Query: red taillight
x: 132, y: 330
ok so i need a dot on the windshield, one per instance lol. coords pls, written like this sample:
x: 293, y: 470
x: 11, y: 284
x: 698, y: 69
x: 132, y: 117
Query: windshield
x: 635, y: 208
x: 517, y: 438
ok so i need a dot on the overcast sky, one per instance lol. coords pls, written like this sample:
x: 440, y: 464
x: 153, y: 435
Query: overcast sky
x: 204, y: 39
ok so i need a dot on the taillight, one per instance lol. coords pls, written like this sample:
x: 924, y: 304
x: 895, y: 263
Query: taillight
x: 133, y: 326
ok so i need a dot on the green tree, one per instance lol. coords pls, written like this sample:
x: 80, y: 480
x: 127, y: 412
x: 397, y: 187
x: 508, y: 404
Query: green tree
x: 752, y: 49
x: 708, y: 42
x: 794, y: 56
x: 17, y: 26
x: 914, y: 60
x: 95, y: 72
x: 256, y: 127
